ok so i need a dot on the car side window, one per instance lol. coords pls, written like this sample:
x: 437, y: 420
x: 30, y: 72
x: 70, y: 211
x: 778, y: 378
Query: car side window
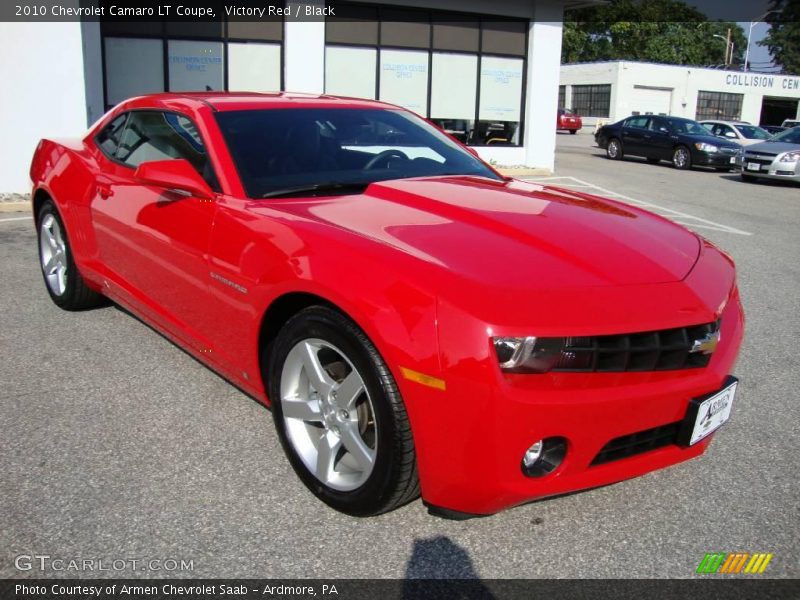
x: 638, y: 122
x: 659, y: 126
x: 109, y: 137
x: 158, y: 135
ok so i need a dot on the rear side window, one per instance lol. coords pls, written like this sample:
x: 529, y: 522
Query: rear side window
x: 157, y: 135
x: 108, y: 139
x: 638, y: 122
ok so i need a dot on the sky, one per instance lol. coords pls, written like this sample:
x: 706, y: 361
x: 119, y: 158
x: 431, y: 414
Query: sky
x: 759, y: 55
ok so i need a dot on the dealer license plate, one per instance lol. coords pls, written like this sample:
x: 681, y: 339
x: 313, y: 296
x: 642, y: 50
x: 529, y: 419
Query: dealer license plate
x: 733, y: 160
x: 753, y: 166
x: 707, y: 414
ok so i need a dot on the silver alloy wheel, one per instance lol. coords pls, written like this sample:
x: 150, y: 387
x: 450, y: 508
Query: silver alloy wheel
x: 328, y: 414
x: 53, y: 255
x: 680, y: 157
x: 613, y: 149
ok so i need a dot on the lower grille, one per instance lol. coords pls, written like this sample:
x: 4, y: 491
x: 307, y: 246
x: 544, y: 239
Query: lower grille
x: 638, y: 443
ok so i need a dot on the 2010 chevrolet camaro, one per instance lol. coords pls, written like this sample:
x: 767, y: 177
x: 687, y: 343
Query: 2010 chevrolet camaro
x: 418, y: 323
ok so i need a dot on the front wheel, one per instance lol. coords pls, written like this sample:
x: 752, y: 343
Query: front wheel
x: 681, y: 158
x: 614, y: 149
x: 64, y: 283
x: 339, y: 414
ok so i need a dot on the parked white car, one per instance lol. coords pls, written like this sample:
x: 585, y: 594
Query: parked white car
x: 740, y: 132
x: 790, y: 123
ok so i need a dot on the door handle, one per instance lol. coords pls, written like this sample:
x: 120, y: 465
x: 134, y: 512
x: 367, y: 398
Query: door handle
x: 104, y: 191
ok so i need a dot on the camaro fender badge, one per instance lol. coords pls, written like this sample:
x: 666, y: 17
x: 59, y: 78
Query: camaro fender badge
x: 423, y: 379
x: 706, y: 344
x: 228, y: 282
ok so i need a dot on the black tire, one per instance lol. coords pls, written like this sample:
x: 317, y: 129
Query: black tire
x: 393, y: 480
x: 653, y: 161
x: 682, y: 158
x: 76, y: 294
x: 573, y: 131
x: 749, y: 178
x: 614, y: 150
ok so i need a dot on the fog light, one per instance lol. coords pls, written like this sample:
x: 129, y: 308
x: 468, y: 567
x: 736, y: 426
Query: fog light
x: 544, y: 456
x: 532, y: 455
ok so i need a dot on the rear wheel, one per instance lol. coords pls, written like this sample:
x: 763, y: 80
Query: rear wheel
x: 681, y: 158
x: 614, y: 149
x: 573, y: 131
x: 64, y: 283
x: 339, y: 414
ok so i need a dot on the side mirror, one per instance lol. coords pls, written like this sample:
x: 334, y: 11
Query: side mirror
x: 177, y: 174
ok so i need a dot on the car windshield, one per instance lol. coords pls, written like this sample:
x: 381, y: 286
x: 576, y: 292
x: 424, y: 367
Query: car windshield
x: 751, y: 132
x: 790, y: 136
x: 687, y: 126
x: 325, y: 149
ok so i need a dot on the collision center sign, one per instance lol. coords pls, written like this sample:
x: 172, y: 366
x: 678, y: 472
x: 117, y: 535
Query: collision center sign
x: 762, y: 81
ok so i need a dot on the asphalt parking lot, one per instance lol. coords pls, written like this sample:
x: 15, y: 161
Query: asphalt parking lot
x: 116, y: 444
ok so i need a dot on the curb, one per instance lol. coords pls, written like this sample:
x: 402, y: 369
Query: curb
x: 524, y: 172
x: 10, y: 207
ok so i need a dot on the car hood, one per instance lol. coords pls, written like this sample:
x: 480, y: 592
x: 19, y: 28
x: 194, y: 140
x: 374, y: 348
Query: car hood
x: 774, y: 147
x: 513, y: 234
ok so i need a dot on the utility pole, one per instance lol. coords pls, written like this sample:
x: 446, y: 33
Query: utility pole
x: 728, y: 49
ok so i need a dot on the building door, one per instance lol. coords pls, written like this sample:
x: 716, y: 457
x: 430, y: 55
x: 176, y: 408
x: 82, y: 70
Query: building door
x: 775, y: 110
x: 651, y: 100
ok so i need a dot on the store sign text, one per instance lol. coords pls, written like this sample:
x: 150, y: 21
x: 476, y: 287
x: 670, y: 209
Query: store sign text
x: 762, y: 81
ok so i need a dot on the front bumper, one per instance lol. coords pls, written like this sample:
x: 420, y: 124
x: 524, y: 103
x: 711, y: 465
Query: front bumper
x: 716, y: 159
x: 787, y: 171
x: 471, y: 437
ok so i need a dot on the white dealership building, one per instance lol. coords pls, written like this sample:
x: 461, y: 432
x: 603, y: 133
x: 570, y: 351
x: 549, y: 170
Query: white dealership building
x: 610, y: 91
x: 485, y: 70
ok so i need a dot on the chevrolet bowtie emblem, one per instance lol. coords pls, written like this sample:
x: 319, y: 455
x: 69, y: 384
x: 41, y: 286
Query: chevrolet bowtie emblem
x: 706, y: 344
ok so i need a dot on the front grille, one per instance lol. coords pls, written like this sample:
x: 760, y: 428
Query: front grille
x: 761, y: 158
x: 637, y: 443
x: 664, y: 350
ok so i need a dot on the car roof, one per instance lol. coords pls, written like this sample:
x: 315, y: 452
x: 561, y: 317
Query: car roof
x: 725, y: 122
x: 227, y: 101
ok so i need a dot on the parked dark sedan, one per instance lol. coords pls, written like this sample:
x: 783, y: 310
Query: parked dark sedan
x: 684, y: 142
x: 774, y: 129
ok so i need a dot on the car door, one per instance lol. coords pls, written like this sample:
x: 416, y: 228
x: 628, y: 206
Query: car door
x: 634, y: 131
x: 659, y: 143
x: 153, y: 241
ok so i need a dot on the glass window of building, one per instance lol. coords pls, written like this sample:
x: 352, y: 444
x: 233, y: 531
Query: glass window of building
x: 254, y: 67
x: 719, y: 105
x: 133, y: 67
x: 195, y: 66
x: 350, y: 71
x: 591, y: 100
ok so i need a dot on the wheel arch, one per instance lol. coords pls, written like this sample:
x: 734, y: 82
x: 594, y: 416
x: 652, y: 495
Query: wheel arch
x: 40, y: 196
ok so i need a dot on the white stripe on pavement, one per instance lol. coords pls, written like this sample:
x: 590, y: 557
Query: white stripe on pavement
x: 15, y: 219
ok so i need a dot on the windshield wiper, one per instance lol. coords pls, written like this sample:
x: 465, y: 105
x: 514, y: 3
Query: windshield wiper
x: 330, y: 186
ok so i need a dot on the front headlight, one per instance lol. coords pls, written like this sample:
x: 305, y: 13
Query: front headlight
x: 790, y: 157
x: 703, y: 147
x: 538, y: 355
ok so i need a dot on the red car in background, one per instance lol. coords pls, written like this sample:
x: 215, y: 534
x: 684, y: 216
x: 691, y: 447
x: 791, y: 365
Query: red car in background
x: 568, y: 120
x: 418, y: 323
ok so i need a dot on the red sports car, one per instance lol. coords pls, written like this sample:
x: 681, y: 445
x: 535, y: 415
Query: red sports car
x: 418, y: 323
x: 568, y: 121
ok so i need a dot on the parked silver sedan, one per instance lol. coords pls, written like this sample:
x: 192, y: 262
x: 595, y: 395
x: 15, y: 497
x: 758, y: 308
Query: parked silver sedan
x: 778, y: 158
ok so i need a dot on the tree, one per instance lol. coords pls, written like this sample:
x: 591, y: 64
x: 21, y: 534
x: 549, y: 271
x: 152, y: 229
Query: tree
x: 662, y: 31
x: 783, y: 38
